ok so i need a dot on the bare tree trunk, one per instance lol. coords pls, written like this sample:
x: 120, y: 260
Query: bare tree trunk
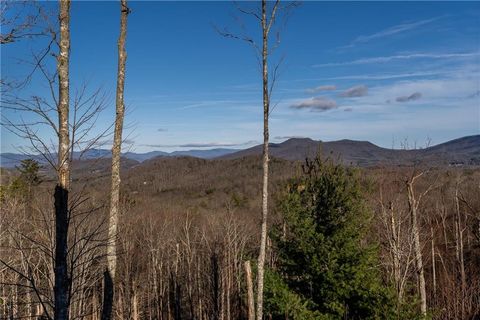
x: 267, y: 20
x: 61, y: 290
x: 413, y: 206
x: 228, y: 283
x: 251, y: 303
x: 135, y: 303
x: 266, y: 106
x: 119, y: 311
x: 30, y: 310
x: 39, y: 312
x: 460, y: 255
x: 15, y: 305
x: 109, y: 275
x: 434, y: 272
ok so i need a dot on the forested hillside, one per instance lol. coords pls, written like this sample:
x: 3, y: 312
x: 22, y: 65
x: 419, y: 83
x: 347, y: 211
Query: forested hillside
x: 188, y: 225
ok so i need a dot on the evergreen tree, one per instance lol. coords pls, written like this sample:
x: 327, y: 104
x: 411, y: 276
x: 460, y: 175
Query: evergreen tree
x: 22, y: 186
x: 29, y: 172
x: 325, y: 268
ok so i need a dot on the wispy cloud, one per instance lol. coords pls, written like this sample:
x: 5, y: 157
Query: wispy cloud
x: 385, y: 76
x: 391, y: 31
x: 400, y: 57
x: 215, y: 103
x: 316, y: 104
x: 388, y: 76
x: 288, y: 137
x: 321, y: 88
x: 354, y: 92
x: 414, y: 96
x: 454, y: 89
x: 202, y: 145
x: 162, y: 130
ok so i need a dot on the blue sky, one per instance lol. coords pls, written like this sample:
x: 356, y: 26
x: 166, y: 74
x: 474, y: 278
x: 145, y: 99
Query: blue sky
x: 376, y: 71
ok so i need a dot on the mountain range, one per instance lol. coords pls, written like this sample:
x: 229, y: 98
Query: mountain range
x: 462, y: 151
x: 10, y: 160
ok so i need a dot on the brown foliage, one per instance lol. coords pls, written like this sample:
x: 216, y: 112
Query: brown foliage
x: 187, y: 226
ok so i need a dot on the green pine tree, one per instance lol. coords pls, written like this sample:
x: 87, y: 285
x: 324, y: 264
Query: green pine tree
x: 325, y: 269
x: 29, y: 172
x: 23, y: 185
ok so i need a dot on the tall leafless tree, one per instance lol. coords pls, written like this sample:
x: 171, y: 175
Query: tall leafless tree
x: 414, y: 201
x: 109, y: 276
x: 250, y: 301
x: 74, y: 243
x: 266, y: 16
x: 62, y: 287
x: 266, y: 27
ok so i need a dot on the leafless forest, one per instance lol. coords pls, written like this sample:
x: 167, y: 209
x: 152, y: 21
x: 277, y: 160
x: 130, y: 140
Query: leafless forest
x: 187, y: 226
x: 186, y: 238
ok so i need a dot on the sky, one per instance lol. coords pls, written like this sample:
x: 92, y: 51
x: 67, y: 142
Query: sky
x: 386, y: 72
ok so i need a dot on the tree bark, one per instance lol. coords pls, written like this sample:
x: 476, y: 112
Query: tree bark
x: 266, y: 106
x: 135, y: 315
x: 109, y: 275
x: 434, y: 272
x: 61, y: 290
x: 460, y: 255
x: 250, y: 302
x: 413, y: 206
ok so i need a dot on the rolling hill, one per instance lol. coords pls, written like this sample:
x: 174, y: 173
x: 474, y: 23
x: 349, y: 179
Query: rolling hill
x: 462, y: 151
x: 10, y: 160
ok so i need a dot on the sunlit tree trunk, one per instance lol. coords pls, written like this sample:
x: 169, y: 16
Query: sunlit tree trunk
x: 266, y: 107
x: 459, y: 253
x: 250, y: 302
x: 61, y: 290
x: 109, y: 275
x: 413, y: 207
x: 434, y: 272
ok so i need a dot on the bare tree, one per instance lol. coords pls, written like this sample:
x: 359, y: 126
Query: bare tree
x: 27, y: 249
x: 62, y: 284
x: 266, y: 26
x: 459, y: 247
x: 251, y: 302
x: 74, y: 244
x: 414, y: 201
x: 266, y: 16
x: 397, y: 235
x: 109, y: 275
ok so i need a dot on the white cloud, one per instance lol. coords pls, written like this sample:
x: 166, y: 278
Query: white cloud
x: 400, y: 28
x: 321, y: 88
x: 400, y: 57
x: 381, y: 125
x: 316, y: 104
x: 288, y: 137
x: 354, y: 92
x: 202, y: 145
x: 414, y: 96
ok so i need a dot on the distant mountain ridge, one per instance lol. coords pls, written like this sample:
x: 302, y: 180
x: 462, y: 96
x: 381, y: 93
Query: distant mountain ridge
x: 461, y: 151
x: 10, y: 160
